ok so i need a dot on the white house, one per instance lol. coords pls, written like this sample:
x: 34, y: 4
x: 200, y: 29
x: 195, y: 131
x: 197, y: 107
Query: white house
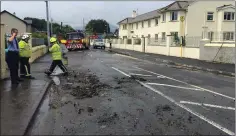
x: 216, y: 18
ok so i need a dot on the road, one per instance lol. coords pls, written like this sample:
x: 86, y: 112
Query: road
x: 108, y: 93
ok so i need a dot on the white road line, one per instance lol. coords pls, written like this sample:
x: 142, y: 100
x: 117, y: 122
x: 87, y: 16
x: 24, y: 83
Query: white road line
x: 207, y: 105
x: 139, y: 74
x: 121, y: 71
x: 187, y: 88
x: 189, y: 84
x: 160, y: 77
x: 182, y: 106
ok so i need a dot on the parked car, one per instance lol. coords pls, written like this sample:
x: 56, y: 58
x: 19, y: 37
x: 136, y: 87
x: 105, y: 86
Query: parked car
x: 98, y: 43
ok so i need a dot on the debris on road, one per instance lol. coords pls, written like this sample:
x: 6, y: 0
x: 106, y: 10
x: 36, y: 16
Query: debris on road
x: 108, y: 118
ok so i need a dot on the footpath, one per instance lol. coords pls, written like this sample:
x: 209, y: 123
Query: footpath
x: 19, y: 104
x: 177, y: 62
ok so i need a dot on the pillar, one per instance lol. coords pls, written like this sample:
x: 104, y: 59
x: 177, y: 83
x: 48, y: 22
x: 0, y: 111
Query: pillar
x: 3, y: 55
x: 168, y: 43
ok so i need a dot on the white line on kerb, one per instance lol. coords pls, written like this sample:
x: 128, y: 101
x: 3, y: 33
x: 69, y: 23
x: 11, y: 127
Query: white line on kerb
x: 182, y: 106
x: 187, y: 88
x: 188, y: 84
x: 139, y: 74
x: 207, y: 105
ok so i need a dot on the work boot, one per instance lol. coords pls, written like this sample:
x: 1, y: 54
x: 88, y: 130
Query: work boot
x: 29, y: 77
x: 48, y: 73
x: 65, y: 74
x: 20, y: 80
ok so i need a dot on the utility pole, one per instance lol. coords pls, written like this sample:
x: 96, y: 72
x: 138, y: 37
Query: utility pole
x: 83, y: 25
x: 48, y: 32
x: 51, y: 27
x: 61, y: 25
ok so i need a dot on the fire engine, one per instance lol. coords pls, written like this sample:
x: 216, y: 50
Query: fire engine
x: 76, y: 40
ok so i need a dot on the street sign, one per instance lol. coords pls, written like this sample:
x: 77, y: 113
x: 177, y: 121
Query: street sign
x: 182, y: 18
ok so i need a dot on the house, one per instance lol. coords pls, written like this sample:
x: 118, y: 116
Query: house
x: 12, y: 21
x: 216, y: 18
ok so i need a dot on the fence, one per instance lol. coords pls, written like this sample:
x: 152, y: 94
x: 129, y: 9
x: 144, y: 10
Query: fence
x: 157, y: 42
x: 221, y: 36
x: 37, y: 41
x: 129, y: 41
x: 121, y: 41
x: 137, y: 41
x: 193, y: 41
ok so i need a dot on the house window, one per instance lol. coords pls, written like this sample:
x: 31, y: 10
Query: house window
x: 210, y: 35
x: 228, y: 36
x: 156, y: 36
x: 163, y: 17
x: 174, y: 16
x: 163, y: 36
x: 210, y: 16
x: 149, y: 36
x: 228, y: 15
x: 124, y: 27
x: 156, y: 20
x: 149, y: 23
x: 136, y: 25
x: 132, y: 26
x: 142, y: 24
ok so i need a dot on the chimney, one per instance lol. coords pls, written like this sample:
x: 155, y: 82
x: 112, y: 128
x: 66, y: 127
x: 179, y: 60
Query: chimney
x: 134, y: 14
x: 14, y: 13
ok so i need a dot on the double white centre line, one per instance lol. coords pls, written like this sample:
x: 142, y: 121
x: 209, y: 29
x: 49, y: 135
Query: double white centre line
x: 227, y: 131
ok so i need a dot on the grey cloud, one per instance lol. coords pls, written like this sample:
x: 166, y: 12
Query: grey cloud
x: 72, y: 12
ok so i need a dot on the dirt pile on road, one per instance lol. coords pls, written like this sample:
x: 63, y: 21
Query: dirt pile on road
x: 84, y: 85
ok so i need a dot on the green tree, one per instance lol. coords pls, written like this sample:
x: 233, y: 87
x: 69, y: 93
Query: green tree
x: 97, y: 26
x: 41, y: 25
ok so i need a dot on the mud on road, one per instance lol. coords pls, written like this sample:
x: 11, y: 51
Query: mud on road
x: 82, y: 104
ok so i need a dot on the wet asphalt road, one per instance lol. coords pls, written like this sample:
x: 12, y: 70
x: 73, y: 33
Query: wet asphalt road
x: 132, y: 97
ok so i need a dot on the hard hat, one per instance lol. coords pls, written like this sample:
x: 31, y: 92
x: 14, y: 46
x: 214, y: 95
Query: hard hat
x: 25, y: 36
x: 53, y: 39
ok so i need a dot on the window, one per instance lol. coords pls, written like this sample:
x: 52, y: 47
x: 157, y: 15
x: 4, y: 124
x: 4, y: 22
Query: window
x: 163, y: 36
x: 136, y: 25
x: 124, y: 27
x: 142, y: 24
x: 210, y: 35
x: 174, y: 33
x: 163, y: 17
x: 228, y: 15
x: 156, y: 36
x: 156, y: 20
x: 174, y: 16
x: 132, y: 26
x: 149, y: 23
x: 210, y: 16
x: 228, y: 36
x: 149, y: 36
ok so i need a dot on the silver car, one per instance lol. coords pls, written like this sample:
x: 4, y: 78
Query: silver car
x: 98, y: 43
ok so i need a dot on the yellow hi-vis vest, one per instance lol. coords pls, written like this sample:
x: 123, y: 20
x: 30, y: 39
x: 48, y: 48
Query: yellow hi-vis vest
x: 25, y: 49
x: 56, y: 52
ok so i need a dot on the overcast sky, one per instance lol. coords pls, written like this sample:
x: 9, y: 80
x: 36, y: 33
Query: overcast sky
x: 73, y: 12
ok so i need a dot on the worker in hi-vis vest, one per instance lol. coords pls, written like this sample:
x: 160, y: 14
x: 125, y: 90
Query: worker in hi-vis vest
x: 55, y: 50
x: 25, y: 54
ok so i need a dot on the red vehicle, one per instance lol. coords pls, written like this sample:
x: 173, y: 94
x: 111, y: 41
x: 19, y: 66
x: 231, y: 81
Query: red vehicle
x: 75, y: 41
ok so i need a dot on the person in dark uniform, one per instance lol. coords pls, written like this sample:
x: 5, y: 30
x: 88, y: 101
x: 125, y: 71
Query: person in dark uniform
x: 12, y: 56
